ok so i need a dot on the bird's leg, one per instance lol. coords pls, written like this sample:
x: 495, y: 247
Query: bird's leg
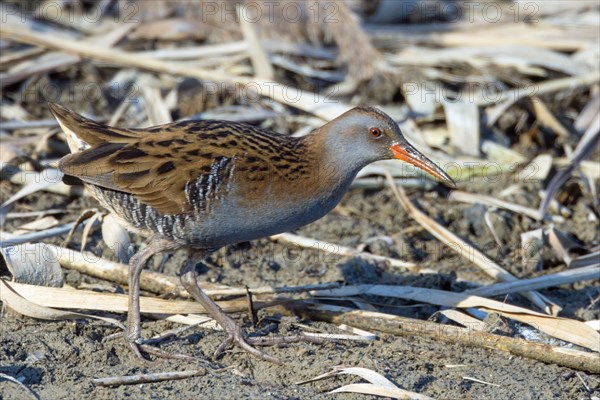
x: 133, y: 334
x: 234, y: 331
x: 189, y: 280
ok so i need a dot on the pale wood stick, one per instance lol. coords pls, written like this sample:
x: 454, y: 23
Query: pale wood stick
x: 591, y: 272
x: 230, y: 48
x: 566, y: 329
x: 41, y: 123
x: 148, y: 378
x: 76, y: 299
x: 395, y: 325
x: 477, y: 34
x: 18, y: 55
x: 36, y: 214
x: 7, y: 240
x: 90, y: 264
x: 196, y: 53
x: 271, y: 289
x: 468, y: 378
x: 259, y: 57
x: 336, y: 249
x: 549, y: 86
x: 472, y: 198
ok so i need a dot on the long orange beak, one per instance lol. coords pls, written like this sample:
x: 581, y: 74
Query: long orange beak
x: 412, y: 156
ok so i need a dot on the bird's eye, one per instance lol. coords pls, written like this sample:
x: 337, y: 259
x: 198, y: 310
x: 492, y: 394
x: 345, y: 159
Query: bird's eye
x: 375, y: 132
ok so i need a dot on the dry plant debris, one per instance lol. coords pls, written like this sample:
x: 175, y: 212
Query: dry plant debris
x: 508, y: 104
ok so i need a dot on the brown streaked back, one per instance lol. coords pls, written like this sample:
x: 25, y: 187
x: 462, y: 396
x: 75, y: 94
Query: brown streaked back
x: 157, y: 165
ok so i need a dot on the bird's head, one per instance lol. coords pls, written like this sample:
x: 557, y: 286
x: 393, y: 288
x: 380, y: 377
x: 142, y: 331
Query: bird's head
x: 366, y: 134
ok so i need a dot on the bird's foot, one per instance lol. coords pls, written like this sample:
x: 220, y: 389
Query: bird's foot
x: 234, y: 332
x: 236, y: 337
x: 141, y: 348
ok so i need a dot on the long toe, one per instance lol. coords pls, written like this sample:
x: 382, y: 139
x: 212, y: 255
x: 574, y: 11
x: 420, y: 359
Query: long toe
x: 140, y: 349
x: 135, y: 348
x: 237, y: 338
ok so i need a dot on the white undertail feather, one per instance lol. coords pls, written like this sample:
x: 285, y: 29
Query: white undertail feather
x: 74, y: 142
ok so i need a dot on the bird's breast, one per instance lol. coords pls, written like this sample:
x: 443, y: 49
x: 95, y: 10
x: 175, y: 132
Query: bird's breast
x: 252, y: 211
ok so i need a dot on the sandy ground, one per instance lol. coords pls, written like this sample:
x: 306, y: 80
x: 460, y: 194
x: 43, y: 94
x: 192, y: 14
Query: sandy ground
x: 58, y: 360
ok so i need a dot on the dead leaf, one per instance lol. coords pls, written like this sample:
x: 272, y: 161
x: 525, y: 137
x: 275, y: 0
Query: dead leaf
x: 33, y: 263
x: 116, y: 237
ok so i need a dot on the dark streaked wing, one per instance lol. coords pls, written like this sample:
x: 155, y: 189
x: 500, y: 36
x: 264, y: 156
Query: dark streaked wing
x: 159, y: 165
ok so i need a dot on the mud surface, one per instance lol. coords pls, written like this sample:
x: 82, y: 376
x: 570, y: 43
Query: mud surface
x: 58, y: 360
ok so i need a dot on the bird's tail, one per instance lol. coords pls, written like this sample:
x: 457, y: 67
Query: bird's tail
x: 82, y: 133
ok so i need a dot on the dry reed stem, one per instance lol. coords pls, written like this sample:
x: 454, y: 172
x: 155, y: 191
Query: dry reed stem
x: 549, y: 86
x: 472, y: 198
x: 304, y: 100
x: 395, y: 325
x: 469, y: 252
x: 337, y: 250
x: 148, y: 378
x: 68, y: 298
x: 566, y: 329
x: 258, y: 55
x: 591, y: 272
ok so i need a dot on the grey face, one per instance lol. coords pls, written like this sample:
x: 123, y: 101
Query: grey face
x: 365, y: 134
